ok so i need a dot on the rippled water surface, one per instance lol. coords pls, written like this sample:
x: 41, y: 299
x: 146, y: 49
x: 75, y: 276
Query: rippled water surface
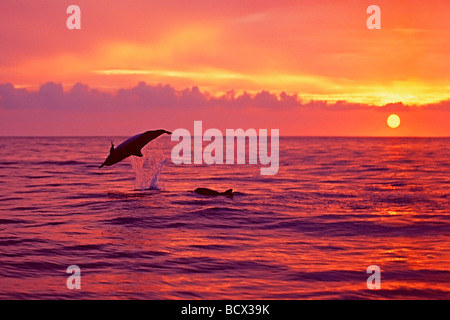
x: 336, y: 206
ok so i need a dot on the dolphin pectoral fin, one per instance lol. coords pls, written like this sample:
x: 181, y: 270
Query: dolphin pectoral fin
x: 138, y: 154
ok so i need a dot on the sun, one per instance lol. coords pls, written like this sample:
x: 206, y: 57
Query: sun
x: 393, y: 121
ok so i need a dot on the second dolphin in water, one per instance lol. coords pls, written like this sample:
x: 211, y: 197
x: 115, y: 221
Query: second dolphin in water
x: 210, y: 192
x: 131, y: 147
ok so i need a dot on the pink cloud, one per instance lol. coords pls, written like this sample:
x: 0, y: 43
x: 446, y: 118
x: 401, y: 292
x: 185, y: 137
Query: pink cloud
x: 81, y: 110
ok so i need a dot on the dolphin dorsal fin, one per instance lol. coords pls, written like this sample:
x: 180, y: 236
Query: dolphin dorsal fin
x: 228, y: 192
x: 111, y: 150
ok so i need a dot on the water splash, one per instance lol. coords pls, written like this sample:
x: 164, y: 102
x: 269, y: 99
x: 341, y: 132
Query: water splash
x: 148, y: 169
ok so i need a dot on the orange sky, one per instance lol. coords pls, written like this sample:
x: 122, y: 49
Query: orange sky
x: 320, y: 50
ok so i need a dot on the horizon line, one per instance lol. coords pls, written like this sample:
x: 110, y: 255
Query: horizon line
x: 281, y: 136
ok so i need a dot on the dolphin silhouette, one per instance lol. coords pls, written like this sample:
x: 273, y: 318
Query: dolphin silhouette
x: 131, y: 147
x: 210, y: 192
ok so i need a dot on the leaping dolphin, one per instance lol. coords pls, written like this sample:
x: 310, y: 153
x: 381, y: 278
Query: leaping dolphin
x: 131, y: 147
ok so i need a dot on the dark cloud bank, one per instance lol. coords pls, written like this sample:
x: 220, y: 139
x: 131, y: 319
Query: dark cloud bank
x: 81, y: 97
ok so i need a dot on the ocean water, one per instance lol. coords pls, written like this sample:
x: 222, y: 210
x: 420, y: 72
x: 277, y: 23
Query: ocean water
x: 336, y: 206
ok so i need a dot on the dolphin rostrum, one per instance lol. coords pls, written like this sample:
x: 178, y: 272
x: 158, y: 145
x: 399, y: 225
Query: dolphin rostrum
x: 210, y: 192
x: 131, y: 147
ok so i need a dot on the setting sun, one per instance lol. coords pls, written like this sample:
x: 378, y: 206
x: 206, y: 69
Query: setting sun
x: 393, y: 121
